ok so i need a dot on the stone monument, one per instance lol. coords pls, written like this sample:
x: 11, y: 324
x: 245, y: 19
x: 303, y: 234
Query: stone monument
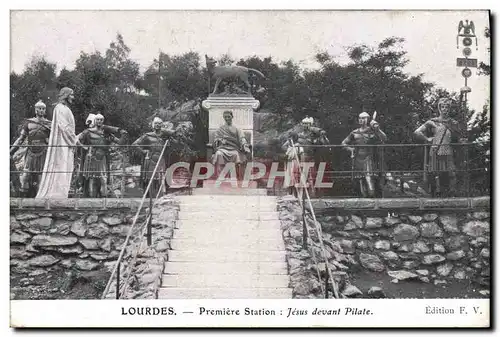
x: 242, y: 108
x: 232, y: 98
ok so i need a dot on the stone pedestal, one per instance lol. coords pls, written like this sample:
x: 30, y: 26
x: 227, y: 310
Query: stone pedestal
x: 242, y: 108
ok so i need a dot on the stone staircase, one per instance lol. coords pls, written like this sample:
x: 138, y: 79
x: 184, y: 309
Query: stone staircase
x: 226, y: 246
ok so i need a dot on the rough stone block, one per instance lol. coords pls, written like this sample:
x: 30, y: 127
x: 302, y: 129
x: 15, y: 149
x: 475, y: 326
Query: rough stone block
x: 48, y: 240
x: 402, y: 275
x: 414, y: 219
x: 135, y: 203
x: 429, y: 217
x: 90, y: 204
x: 61, y: 203
x: 459, y: 203
x: 431, y: 230
x: 480, y: 202
x: 444, y: 269
x: 383, y: 245
x: 43, y: 261
x: 456, y: 255
x: 371, y: 262
x: 449, y: 223
x: 78, y: 228
x: 456, y: 242
x: 476, y: 228
x: 118, y: 203
x: 19, y: 237
x: 405, y: 232
x: 374, y: 222
x: 481, y: 215
x: 89, y: 244
x: 398, y: 203
x: 433, y: 259
x: 112, y: 220
x: 15, y: 202
x: 33, y: 203
x: 389, y: 256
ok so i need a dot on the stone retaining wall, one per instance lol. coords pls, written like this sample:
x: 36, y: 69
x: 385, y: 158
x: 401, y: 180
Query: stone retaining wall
x: 430, y: 246
x: 54, y: 238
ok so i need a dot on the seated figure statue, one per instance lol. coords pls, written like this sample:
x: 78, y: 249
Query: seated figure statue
x: 230, y: 145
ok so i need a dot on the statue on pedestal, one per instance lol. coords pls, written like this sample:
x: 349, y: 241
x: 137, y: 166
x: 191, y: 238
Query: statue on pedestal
x: 367, y: 161
x: 37, y: 131
x: 151, y: 144
x: 220, y: 73
x: 230, y: 144
x: 96, y: 165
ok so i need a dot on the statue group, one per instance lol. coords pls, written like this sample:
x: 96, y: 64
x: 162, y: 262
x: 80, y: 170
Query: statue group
x: 48, y: 161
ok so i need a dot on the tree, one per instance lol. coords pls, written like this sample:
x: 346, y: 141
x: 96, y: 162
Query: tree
x: 36, y: 82
x: 106, y: 84
x: 484, y: 68
x: 182, y: 78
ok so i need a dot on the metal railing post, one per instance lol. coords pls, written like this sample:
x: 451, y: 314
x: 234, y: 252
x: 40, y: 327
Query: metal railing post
x: 123, y: 181
x: 150, y: 218
x: 467, y: 170
x: 118, y: 281
x: 304, y: 225
x: 326, y: 278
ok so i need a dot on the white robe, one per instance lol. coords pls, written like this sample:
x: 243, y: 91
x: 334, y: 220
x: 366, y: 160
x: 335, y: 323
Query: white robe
x: 58, y: 167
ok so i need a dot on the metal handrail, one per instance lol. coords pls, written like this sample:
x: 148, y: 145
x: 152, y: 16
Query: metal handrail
x: 120, y: 257
x: 85, y: 145
x: 318, y: 230
x: 393, y: 145
x: 139, y: 244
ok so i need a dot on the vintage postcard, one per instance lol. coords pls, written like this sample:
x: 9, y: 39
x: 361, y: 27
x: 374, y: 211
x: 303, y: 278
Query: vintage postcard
x: 273, y: 168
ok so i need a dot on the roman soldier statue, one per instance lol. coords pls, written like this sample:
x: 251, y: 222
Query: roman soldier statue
x: 441, y: 132
x: 97, y: 140
x: 37, y: 131
x: 368, y: 165
x: 151, y: 145
x: 311, y: 135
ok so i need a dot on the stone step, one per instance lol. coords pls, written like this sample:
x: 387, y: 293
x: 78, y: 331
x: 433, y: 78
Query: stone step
x: 273, y: 224
x: 236, y: 243
x: 190, y: 198
x: 226, y: 198
x: 225, y: 281
x: 227, y: 293
x: 227, y: 214
x: 226, y: 255
x: 229, y: 184
x: 223, y: 268
x: 217, y: 207
x: 226, y: 226
x: 220, y: 236
x: 227, y: 236
x: 233, y: 191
